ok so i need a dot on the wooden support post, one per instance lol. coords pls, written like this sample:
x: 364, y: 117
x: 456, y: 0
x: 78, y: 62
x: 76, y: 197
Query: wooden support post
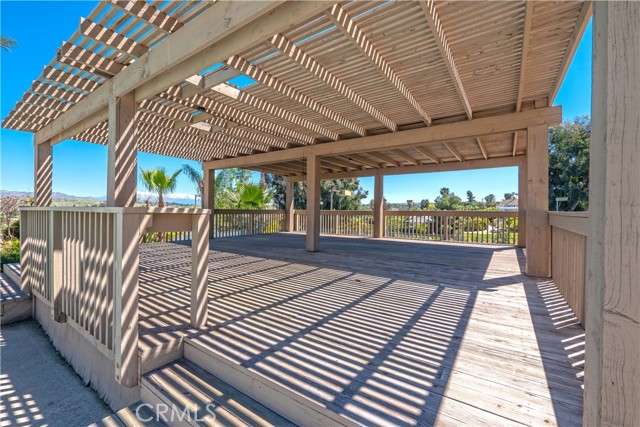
x: 129, y: 228
x: 378, y: 206
x: 612, y: 292
x: 55, y: 265
x: 289, y: 206
x: 209, y: 195
x: 538, y: 238
x: 43, y: 174
x: 313, y: 203
x: 522, y: 205
x: 122, y: 162
x: 199, y: 269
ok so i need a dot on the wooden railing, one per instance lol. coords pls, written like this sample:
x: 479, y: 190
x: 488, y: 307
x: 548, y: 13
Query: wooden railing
x: 569, y: 233
x: 342, y: 223
x: 492, y: 227
x: 83, y: 263
x: 236, y: 222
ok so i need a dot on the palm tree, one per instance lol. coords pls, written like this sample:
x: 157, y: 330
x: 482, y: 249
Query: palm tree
x: 196, y: 177
x: 253, y: 196
x: 157, y: 181
x: 7, y: 43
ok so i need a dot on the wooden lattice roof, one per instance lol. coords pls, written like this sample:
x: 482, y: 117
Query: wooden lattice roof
x: 358, y: 69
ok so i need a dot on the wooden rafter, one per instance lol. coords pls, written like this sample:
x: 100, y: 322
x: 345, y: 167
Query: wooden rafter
x: 310, y: 65
x: 260, y: 75
x: 348, y: 27
x: 68, y: 79
x: 112, y: 39
x: 453, y: 150
x: 429, y: 9
x: 482, y: 147
x: 384, y: 158
x: 362, y: 160
x: 404, y: 155
x: 572, y: 46
x: 260, y: 104
x: 149, y: 13
x: 528, y: 18
x: 71, y: 52
x: 428, y: 154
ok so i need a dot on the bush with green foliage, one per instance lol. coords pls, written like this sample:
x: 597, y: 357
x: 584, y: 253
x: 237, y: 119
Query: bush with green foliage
x: 10, y: 252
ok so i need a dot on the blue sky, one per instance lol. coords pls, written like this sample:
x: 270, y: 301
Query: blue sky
x: 80, y: 168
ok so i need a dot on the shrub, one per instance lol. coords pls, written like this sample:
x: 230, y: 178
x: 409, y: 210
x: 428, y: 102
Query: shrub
x: 10, y: 252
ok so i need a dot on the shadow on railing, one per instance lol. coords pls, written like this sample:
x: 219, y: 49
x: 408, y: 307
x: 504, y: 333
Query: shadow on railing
x: 83, y: 263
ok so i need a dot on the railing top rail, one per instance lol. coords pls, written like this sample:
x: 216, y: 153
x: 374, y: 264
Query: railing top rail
x: 575, y: 222
x: 338, y: 212
x: 455, y: 213
x: 245, y: 211
x: 103, y: 209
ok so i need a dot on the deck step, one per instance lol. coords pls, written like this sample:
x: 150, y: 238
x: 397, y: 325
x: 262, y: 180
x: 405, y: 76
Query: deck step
x: 195, y: 397
x: 274, y: 396
x: 15, y: 305
x: 137, y: 414
x: 13, y: 272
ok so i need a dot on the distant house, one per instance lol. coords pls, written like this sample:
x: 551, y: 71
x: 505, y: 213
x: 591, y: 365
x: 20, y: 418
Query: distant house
x: 508, y: 205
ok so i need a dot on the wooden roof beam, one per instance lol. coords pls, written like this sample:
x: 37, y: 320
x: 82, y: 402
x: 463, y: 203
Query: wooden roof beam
x: 71, y: 80
x: 528, y: 19
x: 257, y: 103
x: 148, y: 13
x: 110, y: 38
x: 497, y: 162
x: 260, y: 75
x: 425, y: 136
x: 46, y: 89
x: 429, y: 9
x: 69, y: 52
x: 449, y: 146
x: 307, y: 63
x: 349, y: 28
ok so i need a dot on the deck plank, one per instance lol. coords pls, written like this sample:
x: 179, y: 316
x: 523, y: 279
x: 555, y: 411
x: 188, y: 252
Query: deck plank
x: 380, y: 331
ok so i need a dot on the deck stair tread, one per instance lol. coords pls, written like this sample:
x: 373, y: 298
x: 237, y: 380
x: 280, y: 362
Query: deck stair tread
x: 185, y: 384
x: 9, y: 290
x: 13, y: 272
x: 135, y: 415
x: 15, y: 304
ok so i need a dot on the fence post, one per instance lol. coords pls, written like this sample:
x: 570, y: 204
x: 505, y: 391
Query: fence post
x: 55, y: 270
x: 199, y: 269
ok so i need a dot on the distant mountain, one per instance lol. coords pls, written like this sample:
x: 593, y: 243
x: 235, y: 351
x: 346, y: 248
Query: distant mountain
x: 56, y: 195
x: 176, y: 198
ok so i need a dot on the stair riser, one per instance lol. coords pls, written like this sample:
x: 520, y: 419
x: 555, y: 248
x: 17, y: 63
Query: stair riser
x: 279, y: 399
x: 150, y: 395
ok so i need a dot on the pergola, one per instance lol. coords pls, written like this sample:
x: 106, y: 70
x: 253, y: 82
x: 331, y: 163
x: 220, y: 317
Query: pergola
x: 364, y: 89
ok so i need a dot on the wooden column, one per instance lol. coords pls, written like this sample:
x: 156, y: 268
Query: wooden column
x: 288, y: 206
x: 538, y: 237
x: 208, y: 191
x: 129, y: 228
x: 522, y: 205
x: 122, y: 163
x: 199, y: 269
x: 378, y: 206
x: 56, y: 268
x: 313, y: 203
x: 612, y: 294
x: 209, y: 195
x: 43, y: 174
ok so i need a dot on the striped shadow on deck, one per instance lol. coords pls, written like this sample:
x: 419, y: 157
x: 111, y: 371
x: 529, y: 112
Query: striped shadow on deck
x: 380, y: 332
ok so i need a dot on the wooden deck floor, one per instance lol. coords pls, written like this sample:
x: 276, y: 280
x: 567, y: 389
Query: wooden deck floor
x: 382, y: 332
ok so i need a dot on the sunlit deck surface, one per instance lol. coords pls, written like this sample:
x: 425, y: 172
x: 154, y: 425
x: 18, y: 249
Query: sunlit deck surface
x: 383, y: 332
